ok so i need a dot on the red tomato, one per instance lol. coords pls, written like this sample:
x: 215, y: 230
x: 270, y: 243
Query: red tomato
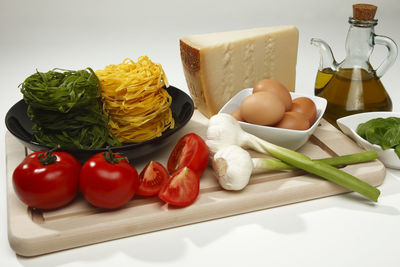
x: 107, y: 180
x: 47, y: 180
x: 181, y: 189
x: 190, y: 151
x: 152, y: 178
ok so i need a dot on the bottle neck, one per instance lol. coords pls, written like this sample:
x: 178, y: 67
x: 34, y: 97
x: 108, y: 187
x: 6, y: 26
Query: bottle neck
x: 359, y: 44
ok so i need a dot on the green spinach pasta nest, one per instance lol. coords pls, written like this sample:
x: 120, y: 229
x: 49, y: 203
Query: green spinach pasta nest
x: 66, y: 110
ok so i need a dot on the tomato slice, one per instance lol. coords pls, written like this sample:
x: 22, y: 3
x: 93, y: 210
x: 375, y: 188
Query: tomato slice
x: 190, y: 151
x: 181, y: 189
x: 152, y: 178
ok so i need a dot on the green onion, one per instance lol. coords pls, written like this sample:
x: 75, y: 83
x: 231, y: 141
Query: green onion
x: 321, y: 169
x: 269, y: 164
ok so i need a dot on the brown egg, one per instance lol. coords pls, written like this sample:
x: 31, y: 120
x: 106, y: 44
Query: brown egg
x: 236, y: 114
x: 294, y: 121
x: 305, y: 106
x: 275, y: 87
x: 263, y: 108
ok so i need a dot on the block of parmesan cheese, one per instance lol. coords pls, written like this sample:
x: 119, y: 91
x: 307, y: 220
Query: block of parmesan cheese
x: 218, y: 65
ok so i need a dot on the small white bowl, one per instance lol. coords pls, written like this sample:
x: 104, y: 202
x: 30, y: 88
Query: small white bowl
x: 292, y: 139
x: 349, y: 126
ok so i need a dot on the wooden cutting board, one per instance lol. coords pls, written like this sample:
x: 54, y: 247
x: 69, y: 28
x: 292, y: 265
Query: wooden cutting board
x: 32, y: 232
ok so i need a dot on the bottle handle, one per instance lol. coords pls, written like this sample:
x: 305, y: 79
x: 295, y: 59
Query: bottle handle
x: 391, y: 56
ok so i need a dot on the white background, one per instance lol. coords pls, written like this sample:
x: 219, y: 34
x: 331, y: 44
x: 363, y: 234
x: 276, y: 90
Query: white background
x: 335, y: 231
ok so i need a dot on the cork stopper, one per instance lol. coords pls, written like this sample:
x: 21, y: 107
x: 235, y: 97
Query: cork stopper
x: 364, y: 11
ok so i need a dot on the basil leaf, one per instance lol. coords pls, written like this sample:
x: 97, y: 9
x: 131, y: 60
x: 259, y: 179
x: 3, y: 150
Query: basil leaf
x: 374, y: 135
x: 382, y: 131
x: 391, y: 137
x: 371, y: 124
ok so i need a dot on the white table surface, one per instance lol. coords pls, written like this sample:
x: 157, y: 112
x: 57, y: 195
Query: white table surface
x: 334, y: 231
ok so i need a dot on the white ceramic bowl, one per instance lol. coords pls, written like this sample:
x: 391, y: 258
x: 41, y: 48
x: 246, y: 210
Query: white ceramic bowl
x: 349, y: 125
x: 292, y: 139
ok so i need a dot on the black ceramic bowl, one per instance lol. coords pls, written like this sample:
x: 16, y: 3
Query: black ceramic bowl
x: 19, y: 124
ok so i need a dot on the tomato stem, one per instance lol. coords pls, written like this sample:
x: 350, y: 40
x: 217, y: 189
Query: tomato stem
x: 47, y: 158
x: 111, y: 156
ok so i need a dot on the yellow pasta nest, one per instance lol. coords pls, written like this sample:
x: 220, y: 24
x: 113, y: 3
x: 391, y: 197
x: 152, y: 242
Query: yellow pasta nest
x: 133, y: 97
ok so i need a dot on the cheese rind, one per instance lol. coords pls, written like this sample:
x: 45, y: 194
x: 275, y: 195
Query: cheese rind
x: 218, y: 65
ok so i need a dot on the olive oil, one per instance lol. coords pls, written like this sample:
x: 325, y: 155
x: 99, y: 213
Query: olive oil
x: 323, y: 77
x: 351, y: 91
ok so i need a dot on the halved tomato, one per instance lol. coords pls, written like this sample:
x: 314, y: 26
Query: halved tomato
x: 190, y: 151
x: 152, y: 178
x: 181, y: 189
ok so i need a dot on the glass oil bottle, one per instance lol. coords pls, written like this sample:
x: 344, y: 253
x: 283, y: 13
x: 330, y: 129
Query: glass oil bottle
x: 353, y: 86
